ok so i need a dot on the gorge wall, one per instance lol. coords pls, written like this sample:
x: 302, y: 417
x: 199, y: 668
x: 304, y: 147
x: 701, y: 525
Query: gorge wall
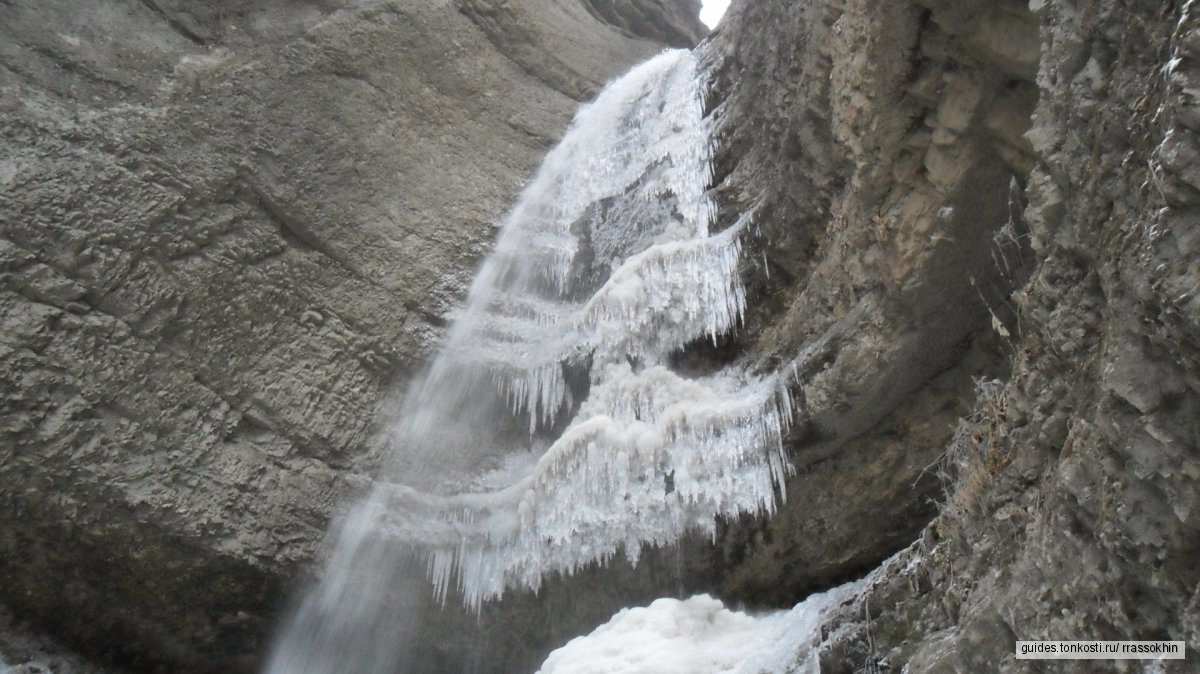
x: 229, y: 235
x: 883, y: 147
x: 226, y: 234
x: 1064, y: 135
x: 1072, y: 515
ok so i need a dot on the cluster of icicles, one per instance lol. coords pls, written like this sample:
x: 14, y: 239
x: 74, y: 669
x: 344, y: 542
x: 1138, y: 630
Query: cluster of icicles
x: 604, y: 268
x: 550, y: 431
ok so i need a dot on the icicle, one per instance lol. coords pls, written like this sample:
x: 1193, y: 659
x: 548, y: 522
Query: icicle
x: 605, y: 267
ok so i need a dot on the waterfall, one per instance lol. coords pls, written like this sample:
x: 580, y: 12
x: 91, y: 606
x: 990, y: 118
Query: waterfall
x: 550, y: 431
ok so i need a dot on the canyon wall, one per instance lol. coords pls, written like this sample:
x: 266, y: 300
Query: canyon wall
x: 1012, y: 187
x: 227, y: 234
x: 1072, y: 511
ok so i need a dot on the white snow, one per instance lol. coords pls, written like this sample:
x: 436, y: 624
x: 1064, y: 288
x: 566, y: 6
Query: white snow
x: 701, y: 636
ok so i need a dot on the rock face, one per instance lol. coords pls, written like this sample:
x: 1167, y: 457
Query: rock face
x: 23, y: 652
x: 1073, y: 512
x: 226, y: 234
x: 988, y: 211
x: 882, y: 149
x: 1063, y: 134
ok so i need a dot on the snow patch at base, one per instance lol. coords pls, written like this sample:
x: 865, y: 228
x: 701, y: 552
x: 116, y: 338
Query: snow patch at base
x: 701, y: 636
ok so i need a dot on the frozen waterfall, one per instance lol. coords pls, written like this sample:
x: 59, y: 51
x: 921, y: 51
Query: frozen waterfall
x: 550, y: 432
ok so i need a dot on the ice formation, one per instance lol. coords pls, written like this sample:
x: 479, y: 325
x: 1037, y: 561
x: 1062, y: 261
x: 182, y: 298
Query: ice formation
x: 701, y: 636
x: 604, y: 268
x: 550, y: 431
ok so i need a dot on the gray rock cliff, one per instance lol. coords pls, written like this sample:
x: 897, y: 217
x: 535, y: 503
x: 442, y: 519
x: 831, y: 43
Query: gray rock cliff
x: 227, y: 232
x: 982, y: 216
x: 1071, y: 511
x: 882, y: 148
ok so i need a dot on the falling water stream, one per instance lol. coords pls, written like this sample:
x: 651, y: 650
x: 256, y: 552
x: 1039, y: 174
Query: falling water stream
x: 550, y: 431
